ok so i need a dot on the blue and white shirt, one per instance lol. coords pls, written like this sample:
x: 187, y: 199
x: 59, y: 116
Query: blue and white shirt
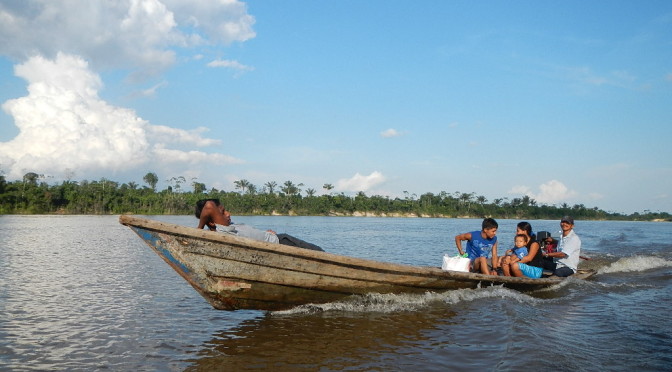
x: 479, y: 246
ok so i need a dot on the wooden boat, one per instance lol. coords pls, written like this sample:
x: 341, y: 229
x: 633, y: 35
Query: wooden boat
x: 232, y: 273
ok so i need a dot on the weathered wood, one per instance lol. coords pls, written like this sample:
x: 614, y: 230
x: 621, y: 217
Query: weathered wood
x: 232, y: 273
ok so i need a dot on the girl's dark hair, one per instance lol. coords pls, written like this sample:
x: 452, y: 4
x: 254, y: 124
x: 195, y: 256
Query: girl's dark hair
x: 201, y: 203
x: 525, y: 226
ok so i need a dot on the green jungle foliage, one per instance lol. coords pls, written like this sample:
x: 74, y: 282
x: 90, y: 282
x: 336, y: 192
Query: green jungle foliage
x: 32, y: 195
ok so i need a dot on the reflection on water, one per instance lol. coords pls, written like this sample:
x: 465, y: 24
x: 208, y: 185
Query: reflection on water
x: 313, y: 341
x: 84, y: 293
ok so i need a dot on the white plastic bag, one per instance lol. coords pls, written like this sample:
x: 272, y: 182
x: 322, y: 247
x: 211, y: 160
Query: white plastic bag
x: 456, y: 263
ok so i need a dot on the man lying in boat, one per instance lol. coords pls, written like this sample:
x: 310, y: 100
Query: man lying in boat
x: 211, y: 213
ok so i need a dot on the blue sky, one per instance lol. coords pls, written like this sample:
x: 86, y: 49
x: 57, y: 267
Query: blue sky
x: 567, y: 102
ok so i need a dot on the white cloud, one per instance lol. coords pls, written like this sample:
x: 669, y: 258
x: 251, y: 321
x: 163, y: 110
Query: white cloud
x: 550, y: 192
x: 193, y: 157
x: 390, y: 133
x: 63, y: 125
x: 224, y: 21
x: 359, y: 182
x: 137, y: 34
x: 166, y: 134
x: 520, y: 190
x: 234, y: 65
x: 151, y: 91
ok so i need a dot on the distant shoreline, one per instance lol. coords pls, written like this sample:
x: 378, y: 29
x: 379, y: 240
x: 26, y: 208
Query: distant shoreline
x: 334, y: 214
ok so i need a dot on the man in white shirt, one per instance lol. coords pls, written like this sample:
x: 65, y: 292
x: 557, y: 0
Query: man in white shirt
x: 566, y: 258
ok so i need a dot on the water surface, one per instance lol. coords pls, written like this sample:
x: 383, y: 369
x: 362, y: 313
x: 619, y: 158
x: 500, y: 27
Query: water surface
x: 85, y: 293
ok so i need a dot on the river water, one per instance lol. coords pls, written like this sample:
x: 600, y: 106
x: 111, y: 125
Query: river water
x: 85, y: 293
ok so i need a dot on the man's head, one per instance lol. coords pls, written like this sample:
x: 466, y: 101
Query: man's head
x: 213, y: 212
x: 566, y: 224
x: 489, y: 227
x: 201, y: 203
x: 568, y: 220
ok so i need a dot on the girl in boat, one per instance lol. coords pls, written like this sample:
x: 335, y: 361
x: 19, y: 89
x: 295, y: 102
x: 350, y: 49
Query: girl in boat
x: 532, y: 264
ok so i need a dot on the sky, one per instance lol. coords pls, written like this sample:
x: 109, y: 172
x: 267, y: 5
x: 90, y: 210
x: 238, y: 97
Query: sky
x: 565, y: 102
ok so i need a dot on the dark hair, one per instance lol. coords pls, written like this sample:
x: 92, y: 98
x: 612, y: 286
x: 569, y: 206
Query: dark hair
x: 489, y: 223
x: 525, y: 226
x: 521, y: 236
x: 201, y: 203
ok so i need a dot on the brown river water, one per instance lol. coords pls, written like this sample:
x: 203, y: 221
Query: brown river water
x: 85, y: 293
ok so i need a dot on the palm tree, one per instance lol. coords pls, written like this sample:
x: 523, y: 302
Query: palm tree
x: 466, y: 199
x: 291, y: 189
x: 271, y: 185
x: 243, y: 185
x: 251, y: 189
x: 328, y: 186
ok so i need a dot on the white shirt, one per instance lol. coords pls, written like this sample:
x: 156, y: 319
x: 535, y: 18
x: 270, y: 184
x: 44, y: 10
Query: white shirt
x: 249, y: 232
x: 571, y: 246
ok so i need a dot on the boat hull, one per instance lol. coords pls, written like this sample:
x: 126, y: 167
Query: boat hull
x: 237, y: 273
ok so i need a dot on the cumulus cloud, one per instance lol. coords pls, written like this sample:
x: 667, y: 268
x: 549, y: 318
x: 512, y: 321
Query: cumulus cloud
x: 550, y: 192
x: 390, y: 133
x: 360, y: 183
x: 193, y: 156
x: 63, y: 125
x: 136, y: 34
x: 224, y: 21
x: 166, y: 134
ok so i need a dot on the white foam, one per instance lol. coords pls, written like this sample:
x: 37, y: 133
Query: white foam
x: 635, y: 263
x: 389, y: 303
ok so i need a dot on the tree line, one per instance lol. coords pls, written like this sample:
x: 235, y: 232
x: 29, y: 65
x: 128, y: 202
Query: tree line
x: 33, y: 195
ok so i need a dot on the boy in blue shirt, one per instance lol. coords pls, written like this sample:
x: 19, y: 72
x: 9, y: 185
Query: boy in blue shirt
x: 480, y: 245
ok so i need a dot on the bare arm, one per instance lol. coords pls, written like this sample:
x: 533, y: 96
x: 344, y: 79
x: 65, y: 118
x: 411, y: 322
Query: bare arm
x: 534, y: 248
x: 495, y: 260
x: 211, y: 215
x: 459, y: 239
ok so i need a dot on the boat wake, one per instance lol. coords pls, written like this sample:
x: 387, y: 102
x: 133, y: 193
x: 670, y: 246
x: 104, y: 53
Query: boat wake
x: 390, y: 303
x: 635, y: 263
